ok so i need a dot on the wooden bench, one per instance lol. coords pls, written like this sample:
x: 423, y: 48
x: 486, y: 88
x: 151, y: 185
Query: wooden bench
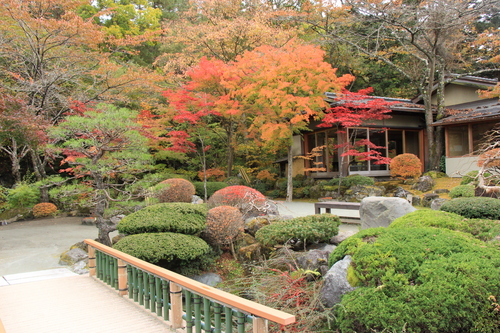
x: 329, y: 205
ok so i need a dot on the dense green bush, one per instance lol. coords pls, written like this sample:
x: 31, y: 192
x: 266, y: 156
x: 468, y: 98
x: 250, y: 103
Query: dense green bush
x: 426, y: 280
x: 469, y: 178
x: 23, y: 195
x: 175, y: 190
x: 72, y: 197
x: 474, y: 208
x: 184, y: 218
x: 482, y: 229
x: 169, y: 250
x: 212, y: 187
x: 306, y: 230
x: 124, y: 207
x: 462, y: 191
x: 351, y: 180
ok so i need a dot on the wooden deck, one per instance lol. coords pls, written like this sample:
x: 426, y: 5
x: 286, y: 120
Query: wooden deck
x: 72, y: 304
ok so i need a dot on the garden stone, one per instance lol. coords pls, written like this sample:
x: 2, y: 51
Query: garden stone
x: 116, y: 219
x: 428, y: 198
x: 313, y: 260
x: 196, y: 200
x: 416, y: 200
x: 437, y: 203
x: 250, y: 253
x: 253, y: 224
x: 80, y: 267
x: 342, y: 236
x: 336, y: 284
x: 251, y: 209
x: 322, y: 247
x: 424, y: 184
x: 210, y: 279
x: 377, y: 212
x: 441, y: 190
x: 359, y: 192
x: 90, y: 220
x: 401, y: 193
x: 73, y: 256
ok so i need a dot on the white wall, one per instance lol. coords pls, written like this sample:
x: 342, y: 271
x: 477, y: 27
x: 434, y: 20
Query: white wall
x: 459, y: 166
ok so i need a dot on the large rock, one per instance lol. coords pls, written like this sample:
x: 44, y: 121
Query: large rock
x: 314, y: 260
x: 424, y: 184
x: 429, y: 198
x: 71, y: 257
x: 336, y: 284
x: 437, y: 203
x: 381, y: 211
x: 342, y: 236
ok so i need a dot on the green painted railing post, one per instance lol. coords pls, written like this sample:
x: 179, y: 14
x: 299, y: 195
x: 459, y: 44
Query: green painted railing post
x: 135, y: 274
x: 207, y: 318
x: 241, y: 322
x: 158, y: 296
x: 166, y: 299
x: 114, y: 272
x: 217, y: 318
x: 228, y: 312
x: 197, y: 313
x: 141, y: 286
x: 130, y: 281
x: 152, y: 291
x: 189, y: 311
x: 147, y: 292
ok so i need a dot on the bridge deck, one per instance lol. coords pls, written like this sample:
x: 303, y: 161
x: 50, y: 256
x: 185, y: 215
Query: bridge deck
x: 72, y: 304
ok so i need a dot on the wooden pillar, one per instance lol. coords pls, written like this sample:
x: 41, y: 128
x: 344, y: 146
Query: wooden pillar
x: 260, y: 325
x: 92, y: 270
x: 122, y: 278
x: 176, y: 305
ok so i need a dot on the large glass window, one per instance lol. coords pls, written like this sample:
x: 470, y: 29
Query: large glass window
x: 478, y: 134
x: 458, y: 141
x: 328, y: 157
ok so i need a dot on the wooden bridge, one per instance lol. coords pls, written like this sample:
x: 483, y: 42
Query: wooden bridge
x: 124, y: 294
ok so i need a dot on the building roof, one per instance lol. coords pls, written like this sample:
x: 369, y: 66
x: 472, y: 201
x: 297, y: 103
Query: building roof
x: 397, y: 104
x: 477, y: 111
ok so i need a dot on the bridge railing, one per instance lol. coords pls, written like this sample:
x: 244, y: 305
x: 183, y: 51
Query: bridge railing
x: 181, y: 301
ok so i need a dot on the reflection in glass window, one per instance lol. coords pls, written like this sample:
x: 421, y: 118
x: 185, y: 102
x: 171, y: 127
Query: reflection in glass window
x: 458, y: 141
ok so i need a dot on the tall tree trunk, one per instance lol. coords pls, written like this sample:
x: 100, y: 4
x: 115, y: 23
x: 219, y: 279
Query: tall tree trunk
x: 15, y: 158
x: 289, y: 180
x: 104, y: 227
x: 230, y: 151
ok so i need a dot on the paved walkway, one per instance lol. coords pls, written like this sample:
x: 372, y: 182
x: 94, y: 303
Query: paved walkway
x: 76, y: 304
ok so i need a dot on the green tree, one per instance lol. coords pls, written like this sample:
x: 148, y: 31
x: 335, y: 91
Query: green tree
x: 106, y: 148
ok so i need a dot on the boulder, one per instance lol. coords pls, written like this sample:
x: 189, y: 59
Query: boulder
x: 381, y: 211
x: 428, y: 198
x: 336, y: 284
x: 416, y: 200
x: 314, y: 260
x: 256, y: 209
x: 322, y: 247
x: 342, y: 236
x: 441, y: 190
x: 71, y: 257
x: 424, y: 184
x: 400, y: 192
x: 358, y: 192
x: 437, y: 203
x: 80, y: 267
x: 250, y: 253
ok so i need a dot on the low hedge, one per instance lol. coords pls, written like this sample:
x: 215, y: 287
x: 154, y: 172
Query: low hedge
x: 184, y: 218
x: 426, y: 280
x: 482, y: 229
x: 169, y: 250
x: 308, y: 229
x: 212, y: 187
x: 474, y: 208
x: 462, y: 191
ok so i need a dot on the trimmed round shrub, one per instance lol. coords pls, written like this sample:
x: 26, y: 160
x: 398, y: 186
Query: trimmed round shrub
x: 184, y: 218
x: 406, y: 166
x: 465, y: 191
x: 474, y: 208
x: 249, y: 201
x: 351, y: 180
x: 169, y: 250
x: 44, y: 209
x: 305, y: 230
x: 482, y: 229
x: 426, y: 280
x: 224, y: 224
x: 175, y: 190
x: 212, y: 187
x: 430, y: 218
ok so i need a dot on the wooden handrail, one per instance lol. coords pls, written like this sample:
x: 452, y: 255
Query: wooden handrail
x: 226, y: 298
